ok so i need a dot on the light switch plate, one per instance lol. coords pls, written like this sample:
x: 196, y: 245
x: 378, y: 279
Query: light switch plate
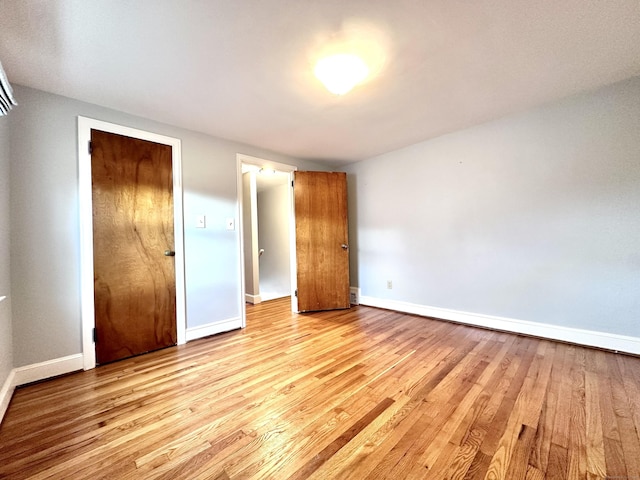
x: 201, y: 221
x: 231, y: 223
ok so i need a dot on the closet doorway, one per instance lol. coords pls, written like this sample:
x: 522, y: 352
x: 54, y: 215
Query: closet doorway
x: 266, y: 226
x: 314, y: 220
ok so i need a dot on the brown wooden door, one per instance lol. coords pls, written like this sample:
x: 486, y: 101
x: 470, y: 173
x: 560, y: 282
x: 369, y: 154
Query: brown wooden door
x: 322, y: 253
x: 134, y: 280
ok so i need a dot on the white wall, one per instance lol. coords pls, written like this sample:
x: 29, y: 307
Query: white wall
x: 45, y: 225
x: 273, y: 228
x: 6, y: 347
x: 533, y: 217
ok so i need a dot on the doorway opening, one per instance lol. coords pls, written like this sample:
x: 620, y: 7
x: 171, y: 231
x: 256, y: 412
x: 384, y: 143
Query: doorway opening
x: 267, y: 231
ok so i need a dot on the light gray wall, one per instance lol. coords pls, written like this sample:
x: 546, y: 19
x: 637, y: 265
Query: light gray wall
x: 273, y: 235
x: 250, y: 232
x: 533, y: 217
x: 45, y: 226
x: 6, y: 347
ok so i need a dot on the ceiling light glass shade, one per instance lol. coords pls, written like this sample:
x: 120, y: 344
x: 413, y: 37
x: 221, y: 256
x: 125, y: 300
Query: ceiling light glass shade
x: 340, y: 73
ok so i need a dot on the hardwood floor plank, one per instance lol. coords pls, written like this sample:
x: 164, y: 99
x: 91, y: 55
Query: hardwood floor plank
x: 464, y: 455
x: 576, y: 451
x: 402, y: 457
x: 615, y: 460
x: 595, y: 439
x: 489, y: 379
x: 359, y: 393
x: 534, y: 474
x: 542, y: 443
x: 519, y: 461
x: 495, y: 419
x: 607, y: 411
x: 479, y: 466
x: 562, y: 418
x: 376, y: 447
x: 630, y: 371
x: 557, y: 469
x: 624, y: 417
x: 310, y: 467
x: 314, y: 437
x: 511, y: 458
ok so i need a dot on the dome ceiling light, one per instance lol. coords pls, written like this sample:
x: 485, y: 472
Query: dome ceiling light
x: 340, y: 73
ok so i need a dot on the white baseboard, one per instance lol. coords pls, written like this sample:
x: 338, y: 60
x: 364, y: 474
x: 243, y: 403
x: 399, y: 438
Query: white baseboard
x: 354, y: 295
x: 213, y: 328
x: 591, y: 338
x: 48, y: 369
x: 254, y: 299
x: 6, y: 393
x: 35, y: 372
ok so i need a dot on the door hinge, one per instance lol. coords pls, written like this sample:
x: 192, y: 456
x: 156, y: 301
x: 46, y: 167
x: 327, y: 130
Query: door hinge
x: 90, y: 148
x: 296, y: 292
x: 95, y: 335
x: 291, y: 183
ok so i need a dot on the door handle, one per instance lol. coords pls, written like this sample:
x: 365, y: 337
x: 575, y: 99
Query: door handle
x: 345, y: 246
x: 169, y: 253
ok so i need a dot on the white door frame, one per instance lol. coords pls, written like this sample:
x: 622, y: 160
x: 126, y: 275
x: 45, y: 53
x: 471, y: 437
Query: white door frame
x: 85, y: 125
x: 281, y: 167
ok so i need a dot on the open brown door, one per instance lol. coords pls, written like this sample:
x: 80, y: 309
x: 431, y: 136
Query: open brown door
x: 133, y: 242
x: 322, y: 251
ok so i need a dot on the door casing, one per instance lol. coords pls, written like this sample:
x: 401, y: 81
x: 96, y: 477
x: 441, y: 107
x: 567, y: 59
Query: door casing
x: 85, y: 125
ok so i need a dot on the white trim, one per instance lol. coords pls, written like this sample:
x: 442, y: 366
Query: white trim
x: 239, y: 193
x: 261, y: 162
x: 201, y: 331
x: 35, y: 372
x: 254, y: 299
x: 48, y: 369
x: 591, y: 338
x: 6, y: 393
x: 86, y: 227
x: 354, y: 295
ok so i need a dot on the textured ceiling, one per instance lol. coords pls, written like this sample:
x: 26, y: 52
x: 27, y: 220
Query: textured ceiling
x: 242, y: 69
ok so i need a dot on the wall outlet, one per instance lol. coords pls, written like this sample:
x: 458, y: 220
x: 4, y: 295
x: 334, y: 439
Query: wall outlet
x: 389, y: 284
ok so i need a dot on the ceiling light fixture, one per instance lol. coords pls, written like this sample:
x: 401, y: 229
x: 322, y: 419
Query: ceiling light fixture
x: 340, y: 73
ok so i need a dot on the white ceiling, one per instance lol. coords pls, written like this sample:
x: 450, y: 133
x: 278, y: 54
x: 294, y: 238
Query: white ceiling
x: 242, y: 69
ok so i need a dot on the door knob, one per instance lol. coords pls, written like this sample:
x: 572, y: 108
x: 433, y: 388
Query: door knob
x: 345, y: 246
x: 169, y: 253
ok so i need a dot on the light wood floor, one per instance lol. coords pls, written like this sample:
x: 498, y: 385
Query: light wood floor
x: 364, y: 393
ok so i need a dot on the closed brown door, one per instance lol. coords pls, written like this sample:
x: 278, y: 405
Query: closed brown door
x: 322, y: 252
x: 133, y: 241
